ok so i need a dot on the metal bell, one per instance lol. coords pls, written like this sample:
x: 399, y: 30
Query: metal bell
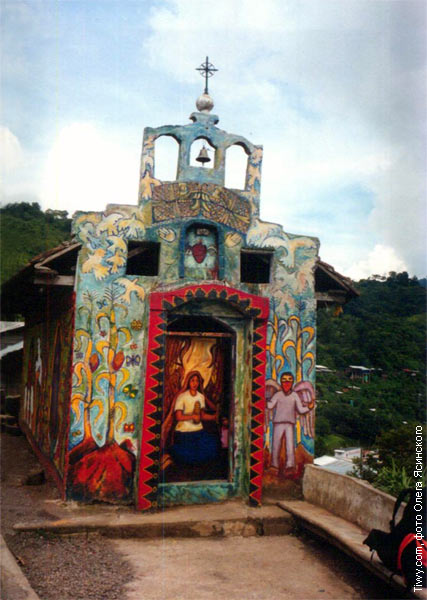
x: 203, y: 156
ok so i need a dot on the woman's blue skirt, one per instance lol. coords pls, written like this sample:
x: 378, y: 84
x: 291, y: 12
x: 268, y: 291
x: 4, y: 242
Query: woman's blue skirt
x: 194, y: 447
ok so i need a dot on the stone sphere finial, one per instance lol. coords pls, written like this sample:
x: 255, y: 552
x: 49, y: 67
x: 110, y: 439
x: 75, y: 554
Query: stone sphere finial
x: 204, y: 103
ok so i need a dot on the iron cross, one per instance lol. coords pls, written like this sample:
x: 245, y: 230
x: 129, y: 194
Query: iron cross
x: 206, y: 70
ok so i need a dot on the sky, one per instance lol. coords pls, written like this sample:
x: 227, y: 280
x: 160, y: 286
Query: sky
x: 334, y: 90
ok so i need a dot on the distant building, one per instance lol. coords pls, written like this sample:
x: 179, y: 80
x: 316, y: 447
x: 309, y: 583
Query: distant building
x: 411, y: 372
x: 347, y: 453
x: 359, y: 373
x: 323, y: 369
x: 337, y: 465
x: 341, y: 462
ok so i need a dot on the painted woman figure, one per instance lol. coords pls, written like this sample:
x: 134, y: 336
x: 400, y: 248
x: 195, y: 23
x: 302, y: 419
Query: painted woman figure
x: 192, y: 444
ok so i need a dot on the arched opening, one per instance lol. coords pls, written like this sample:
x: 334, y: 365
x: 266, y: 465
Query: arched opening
x: 236, y: 161
x: 166, y: 158
x: 195, y: 149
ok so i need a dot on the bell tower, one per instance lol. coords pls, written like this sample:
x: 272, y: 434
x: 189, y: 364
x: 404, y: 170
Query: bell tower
x: 203, y: 126
x: 189, y: 284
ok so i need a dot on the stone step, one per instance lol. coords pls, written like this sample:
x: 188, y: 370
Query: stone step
x: 179, y: 522
x: 8, y: 424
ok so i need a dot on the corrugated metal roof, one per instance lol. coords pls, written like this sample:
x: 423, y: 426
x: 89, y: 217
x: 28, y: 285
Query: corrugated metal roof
x: 12, y: 348
x: 10, y: 325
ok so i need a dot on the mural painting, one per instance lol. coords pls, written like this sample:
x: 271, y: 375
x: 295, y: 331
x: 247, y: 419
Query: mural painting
x: 201, y: 253
x: 290, y: 396
x: 47, y: 382
x: 100, y: 468
x: 196, y: 410
x: 111, y: 382
x: 188, y: 200
x: 108, y: 352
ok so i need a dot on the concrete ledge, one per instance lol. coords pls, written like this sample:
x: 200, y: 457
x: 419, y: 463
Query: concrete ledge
x: 14, y: 584
x: 207, y: 521
x: 352, y: 499
x: 346, y: 536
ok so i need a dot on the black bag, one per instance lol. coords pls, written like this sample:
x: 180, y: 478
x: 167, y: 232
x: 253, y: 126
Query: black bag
x: 387, y: 544
x: 409, y: 521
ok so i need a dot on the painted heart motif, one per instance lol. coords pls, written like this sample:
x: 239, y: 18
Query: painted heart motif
x: 199, y: 252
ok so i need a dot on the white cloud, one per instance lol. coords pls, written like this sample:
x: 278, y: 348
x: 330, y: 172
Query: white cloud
x: 16, y: 170
x: 11, y: 150
x: 399, y: 215
x: 86, y: 169
x: 380, y: 261
x: 334, y: 91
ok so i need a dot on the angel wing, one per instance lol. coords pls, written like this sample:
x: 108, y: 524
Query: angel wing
x: 307, y: 395
x: 271, y: 387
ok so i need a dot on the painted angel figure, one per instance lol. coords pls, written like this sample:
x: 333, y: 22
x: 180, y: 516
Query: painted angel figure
x: 286, y: 403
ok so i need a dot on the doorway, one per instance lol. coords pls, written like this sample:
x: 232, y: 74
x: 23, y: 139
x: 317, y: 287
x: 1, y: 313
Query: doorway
x: 197, y: 415
x: 199, y: 311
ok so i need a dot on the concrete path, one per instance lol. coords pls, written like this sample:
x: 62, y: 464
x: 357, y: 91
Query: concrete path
x: 233, y: 568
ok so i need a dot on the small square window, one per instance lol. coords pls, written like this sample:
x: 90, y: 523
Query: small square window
x: 143, y: 258
x: 255, y: 266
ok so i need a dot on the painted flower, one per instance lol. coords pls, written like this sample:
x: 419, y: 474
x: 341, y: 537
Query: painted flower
x: 136, y: 324
x: 118, y: 360
x: 93, y: 362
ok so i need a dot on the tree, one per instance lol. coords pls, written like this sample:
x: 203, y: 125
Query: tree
x: 26, y: 231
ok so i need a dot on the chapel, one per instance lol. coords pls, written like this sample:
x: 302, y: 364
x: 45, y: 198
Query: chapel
x: 170, y: 346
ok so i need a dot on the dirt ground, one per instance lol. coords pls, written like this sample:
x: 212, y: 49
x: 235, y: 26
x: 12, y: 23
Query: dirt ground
x: 74, y: 567
x: 58, y: 568
x: 236, y: 568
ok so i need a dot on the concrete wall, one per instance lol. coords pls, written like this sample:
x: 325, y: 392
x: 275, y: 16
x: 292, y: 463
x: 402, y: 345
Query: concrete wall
x: 349, y: 498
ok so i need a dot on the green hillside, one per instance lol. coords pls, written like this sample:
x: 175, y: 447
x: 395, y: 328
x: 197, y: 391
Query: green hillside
x: 26, y: 231
x: 383, y: 329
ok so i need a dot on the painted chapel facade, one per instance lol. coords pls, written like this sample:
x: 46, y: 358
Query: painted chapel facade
x: 169, y: 353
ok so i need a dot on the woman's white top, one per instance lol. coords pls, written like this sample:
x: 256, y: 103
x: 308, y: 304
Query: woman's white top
x: 186, y: 402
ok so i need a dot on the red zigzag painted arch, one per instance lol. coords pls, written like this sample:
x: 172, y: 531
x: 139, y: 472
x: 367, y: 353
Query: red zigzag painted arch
x: 254, y: 307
